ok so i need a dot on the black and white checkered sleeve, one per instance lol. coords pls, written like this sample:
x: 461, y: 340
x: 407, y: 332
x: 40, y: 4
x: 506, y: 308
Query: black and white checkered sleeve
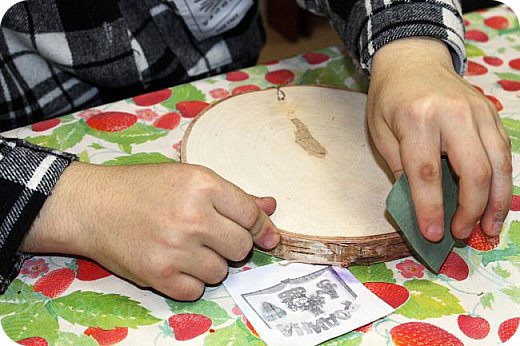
x: 27, y: 175
x: 367, y: 25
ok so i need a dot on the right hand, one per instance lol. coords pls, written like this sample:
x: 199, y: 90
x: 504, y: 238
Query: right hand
x: 172, y: 227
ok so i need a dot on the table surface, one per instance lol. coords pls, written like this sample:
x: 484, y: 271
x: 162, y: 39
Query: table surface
x: 477, y: 287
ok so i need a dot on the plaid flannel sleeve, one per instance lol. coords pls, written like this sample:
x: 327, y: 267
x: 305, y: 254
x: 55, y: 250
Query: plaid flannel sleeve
x: 367, y: 25
x: 27, y: 175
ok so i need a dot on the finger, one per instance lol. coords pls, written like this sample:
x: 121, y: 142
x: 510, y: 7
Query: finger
x: 499, y: 154
x: 241, y: 208
x: 267, y: 204
x: 471, y: 164
x: 182, y: 287
x: 229, y: 239
x: 386, y: 144
x: 205, y: 265
x: 420, y: 155
x: 264, y: 232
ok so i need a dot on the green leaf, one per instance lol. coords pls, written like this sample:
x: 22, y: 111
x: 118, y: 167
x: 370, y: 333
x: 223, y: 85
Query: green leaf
x: 334, y: 73
x: 508, y: 76
x: 514, y: 233
x: 235, y: 334
x: 473, y: 51
x: 350, y: 339
x: 33, y: 320
x: 516, y: 47
x: 185, y: 92
x: 84, y: 157
x: 62, y: 138
x: 429, y: 300
x: 96, y: 146
x: 136, y: 134
x: 139, y: 158
x: 487, y: 300
x: 513, y: 129
x: 260, y: 259
x: 498, y: 255
x: 19, y: 291
x: 107, y: 311
x: 71, y: 339
x: 503, y: 273
x: 8, y: 308
x: 67, y: 118
x: 514, y: 260
x: 513, y: 292
x: 474, y: 17
x: 203, y: 307
x: 373, y: 273
x: 258, y: 70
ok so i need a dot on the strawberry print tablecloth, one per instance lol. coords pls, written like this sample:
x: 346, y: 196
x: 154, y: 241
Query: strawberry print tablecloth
x: 475, y: 300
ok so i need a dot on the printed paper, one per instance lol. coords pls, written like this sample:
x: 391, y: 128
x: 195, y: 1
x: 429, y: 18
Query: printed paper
x: 302, y: 304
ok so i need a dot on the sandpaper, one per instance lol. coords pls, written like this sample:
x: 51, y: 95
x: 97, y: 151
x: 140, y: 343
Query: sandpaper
x: 400, y: 206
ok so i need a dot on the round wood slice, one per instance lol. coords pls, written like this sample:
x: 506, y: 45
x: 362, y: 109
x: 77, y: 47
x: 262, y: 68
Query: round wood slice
x: 308, y: 147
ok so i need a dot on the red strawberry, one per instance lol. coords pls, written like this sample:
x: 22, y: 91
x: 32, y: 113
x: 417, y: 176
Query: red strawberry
x: 509, y: 85
x: 421, y: 333
x: 315, y: 58
x: 393, y: 294
x: 190, y: 109
x: 245, y: 89
x: 515, y: 63
x: 480, y: 241
x: 473, y: 327
x: 90, y: 271
x: 111, y: 121
x: 280, y: 77
x: 364, y: 329
x: 496, y: 102
x: 251, y: 328
x: 168, y: 121
x: 34, y: 341
x: 508, y: 328
x: 107, y: 337
x: 475, y: 69
x: 497, y: 22
x: 493, y: 60
x: 189, y: 326
x: 515, y: 203
x: 236, y: 76
x: 55, y: 282
x: 466, y: 22
x: 152, y: 98
x: 45, y: 125
x: 477, y: 35
x: 455, y: 267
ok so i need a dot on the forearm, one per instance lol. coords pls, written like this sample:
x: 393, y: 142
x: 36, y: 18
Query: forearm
x: 27, y: 176
x: 368, y: 25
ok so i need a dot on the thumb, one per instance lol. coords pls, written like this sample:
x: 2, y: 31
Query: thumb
x: 267, y: 204
x: 265, y: 234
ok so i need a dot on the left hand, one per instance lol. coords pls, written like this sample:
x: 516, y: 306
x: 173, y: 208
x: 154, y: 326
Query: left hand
x: 420, y: 108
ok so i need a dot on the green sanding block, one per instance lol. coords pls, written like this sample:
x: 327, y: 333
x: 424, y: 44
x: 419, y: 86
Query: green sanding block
x: 400, y: 206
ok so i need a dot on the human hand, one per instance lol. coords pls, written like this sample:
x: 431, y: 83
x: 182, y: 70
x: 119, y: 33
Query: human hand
x: 171, y: 227
x: 418, y: 109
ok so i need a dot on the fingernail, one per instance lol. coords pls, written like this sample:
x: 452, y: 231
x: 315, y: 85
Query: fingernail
x: 465, y: 232
x: 271, y: 240
x: 497, y: 227
x: 434, y: 232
